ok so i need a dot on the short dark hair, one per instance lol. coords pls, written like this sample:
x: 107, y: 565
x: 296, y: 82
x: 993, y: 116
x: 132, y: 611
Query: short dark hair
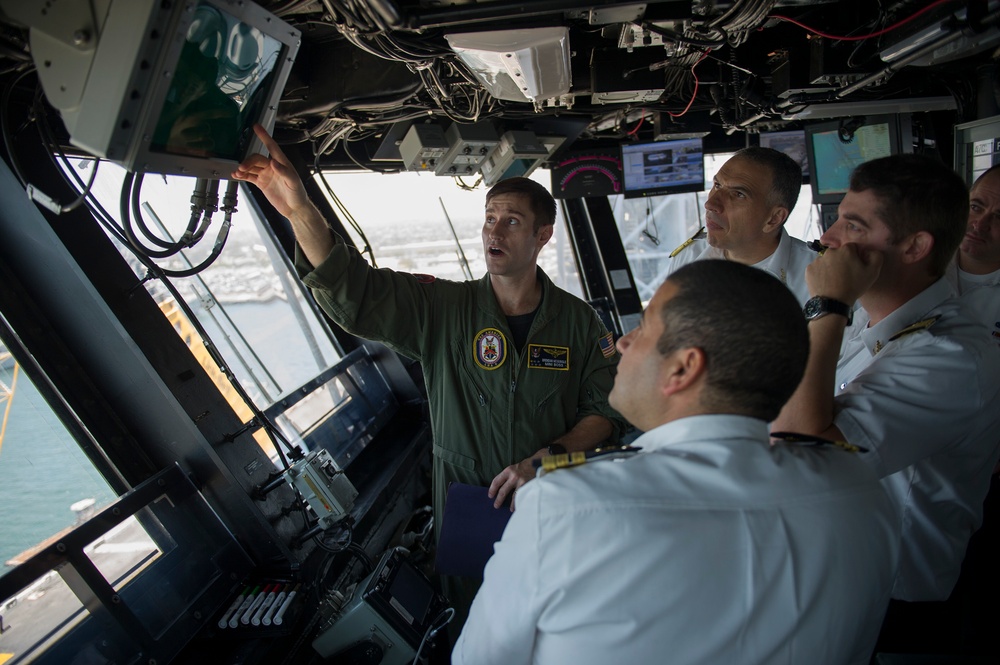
x: 786, y: 174
x: 750, y: 328
x: 918, y: 193
x: 539, y: 199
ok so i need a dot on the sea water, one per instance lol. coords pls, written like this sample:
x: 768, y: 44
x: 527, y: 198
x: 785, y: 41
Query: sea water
x: 43, y: 472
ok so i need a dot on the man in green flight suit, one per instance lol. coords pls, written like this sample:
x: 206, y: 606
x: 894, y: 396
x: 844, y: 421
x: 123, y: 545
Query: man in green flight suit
x: 515, y: 368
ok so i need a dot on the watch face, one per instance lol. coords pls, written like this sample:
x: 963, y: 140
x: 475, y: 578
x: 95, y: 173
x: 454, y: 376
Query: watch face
x: 818, y: 306
x: 813, y: 308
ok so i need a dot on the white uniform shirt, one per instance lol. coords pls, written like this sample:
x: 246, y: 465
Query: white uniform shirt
x: 981, y: 293
x: 927, y: 405
x: 710, y: 546
x: 787, y: 263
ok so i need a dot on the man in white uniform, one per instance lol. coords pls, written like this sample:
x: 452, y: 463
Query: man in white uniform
x: 709, y: 545
x: 917, y: 382
x: 971, y: 614
x: 975, y: 272
x: 751, y: 197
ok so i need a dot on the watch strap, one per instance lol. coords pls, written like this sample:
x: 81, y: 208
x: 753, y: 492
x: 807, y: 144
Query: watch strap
x: 819, y: 306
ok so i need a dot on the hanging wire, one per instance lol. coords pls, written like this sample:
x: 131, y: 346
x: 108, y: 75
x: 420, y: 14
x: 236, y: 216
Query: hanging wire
x: 342, y: 210
x: 154, y: 271
x: 856, y: 38
x: 655, y: 236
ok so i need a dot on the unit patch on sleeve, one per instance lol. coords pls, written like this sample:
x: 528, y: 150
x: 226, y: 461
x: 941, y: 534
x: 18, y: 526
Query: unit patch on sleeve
x: 548, y: 357
x: 489, y: 348
x: 607, y: 344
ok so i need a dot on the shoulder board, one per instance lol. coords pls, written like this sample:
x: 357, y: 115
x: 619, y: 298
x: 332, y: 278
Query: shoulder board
x: 807, y: 440
x: 565, y: 460
x: 687, y: 243
x: 816, y: 246
x: 916, y: 327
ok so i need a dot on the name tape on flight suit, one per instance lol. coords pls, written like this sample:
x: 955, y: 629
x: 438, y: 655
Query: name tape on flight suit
x: 541, y: 356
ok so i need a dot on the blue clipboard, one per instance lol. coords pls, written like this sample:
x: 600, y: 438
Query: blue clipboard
x: 469, y: 528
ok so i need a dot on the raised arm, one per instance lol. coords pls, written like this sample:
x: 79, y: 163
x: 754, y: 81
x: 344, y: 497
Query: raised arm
x: 275, y: 177
x: 844, y: 274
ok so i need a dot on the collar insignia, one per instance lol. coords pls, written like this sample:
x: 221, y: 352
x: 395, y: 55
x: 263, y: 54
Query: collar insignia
x: 687, y: 243
x: 916, y: 327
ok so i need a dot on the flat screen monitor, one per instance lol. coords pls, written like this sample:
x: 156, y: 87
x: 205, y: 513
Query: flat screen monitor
x: 791, y: 142
x: 586, y: 173
x: 663, y: 167
x: 176, y: 87
x: 832, y: 158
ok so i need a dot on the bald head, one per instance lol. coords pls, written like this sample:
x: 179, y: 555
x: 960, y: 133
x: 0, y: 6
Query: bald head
x: 979, y: 252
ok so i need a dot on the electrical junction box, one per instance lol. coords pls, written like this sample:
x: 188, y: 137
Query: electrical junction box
x: 423, y: 147
x: 468, y: 148
x: 518, y: 154
x: 323, y: 485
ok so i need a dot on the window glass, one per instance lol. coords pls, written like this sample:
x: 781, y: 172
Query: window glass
x: 47, y: 487
x: 247, y: 301
x: 47, y: 484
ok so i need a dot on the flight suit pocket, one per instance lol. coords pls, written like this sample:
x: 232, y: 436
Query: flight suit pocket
x: 547, y: 402
x: 456, y: 459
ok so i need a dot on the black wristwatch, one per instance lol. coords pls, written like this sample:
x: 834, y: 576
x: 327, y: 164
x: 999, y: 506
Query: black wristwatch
x: 556, y: 449
x: 819, y: 306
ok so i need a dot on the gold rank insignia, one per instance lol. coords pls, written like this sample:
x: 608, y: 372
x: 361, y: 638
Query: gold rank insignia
x: 916, y: 327
x: 565, y: 460
x: 806, y: 440
x: 816, y: 246
x: 687, y: 243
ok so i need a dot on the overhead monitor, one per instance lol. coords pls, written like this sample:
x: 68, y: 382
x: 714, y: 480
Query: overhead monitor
x: 176, y: 87
x: 586, y: 173
x: 792, y: 143
x: 663, y: 167
x: 836, y: 148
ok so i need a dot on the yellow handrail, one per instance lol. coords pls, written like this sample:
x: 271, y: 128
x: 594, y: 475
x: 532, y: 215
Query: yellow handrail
x: 7, y: 395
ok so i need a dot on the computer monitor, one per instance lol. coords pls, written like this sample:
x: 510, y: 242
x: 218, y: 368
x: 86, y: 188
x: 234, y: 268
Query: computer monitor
x: 176, y: 87
x: 584, y: 173
x: 663, y: 167
x: 836, y: 148
x: 791, y: 142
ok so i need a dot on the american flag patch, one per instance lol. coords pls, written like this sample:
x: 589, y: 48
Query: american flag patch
x: 607, y: 344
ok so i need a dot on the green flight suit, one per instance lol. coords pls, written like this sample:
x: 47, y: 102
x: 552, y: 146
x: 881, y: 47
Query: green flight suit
x: 487, y: 412
x: 491, y: 405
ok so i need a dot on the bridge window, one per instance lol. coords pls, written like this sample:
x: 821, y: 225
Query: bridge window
x: 248, y: 301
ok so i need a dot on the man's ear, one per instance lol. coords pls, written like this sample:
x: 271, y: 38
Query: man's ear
x: 685, y: 368
x: 545, y: 234
x: 777, y: 219
x: 917, y: 247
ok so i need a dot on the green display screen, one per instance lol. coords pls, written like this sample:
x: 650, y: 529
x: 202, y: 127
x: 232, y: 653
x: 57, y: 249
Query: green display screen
x: 218, y: 89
